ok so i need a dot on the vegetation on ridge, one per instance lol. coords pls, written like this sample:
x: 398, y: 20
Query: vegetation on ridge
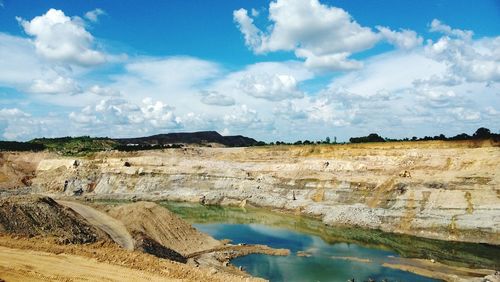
x: 83, y: 145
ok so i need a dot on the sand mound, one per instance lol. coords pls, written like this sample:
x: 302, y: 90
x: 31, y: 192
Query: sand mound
x: 42, y: 216
x: 157, y: 223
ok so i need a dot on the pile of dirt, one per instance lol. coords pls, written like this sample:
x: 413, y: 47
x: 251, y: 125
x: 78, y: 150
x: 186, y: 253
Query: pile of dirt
x: 149, y: 220
x: 42, y: 216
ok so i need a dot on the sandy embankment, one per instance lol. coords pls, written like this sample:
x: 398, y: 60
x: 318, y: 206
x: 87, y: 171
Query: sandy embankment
x: 68, y: 240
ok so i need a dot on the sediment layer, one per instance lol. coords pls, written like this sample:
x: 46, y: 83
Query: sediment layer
x: 442, y: 190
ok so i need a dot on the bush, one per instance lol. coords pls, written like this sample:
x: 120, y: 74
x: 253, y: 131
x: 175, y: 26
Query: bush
x: 373, y: 137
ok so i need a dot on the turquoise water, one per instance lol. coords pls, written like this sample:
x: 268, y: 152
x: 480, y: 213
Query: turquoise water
x: 330, y: 249
x: 325, y: 262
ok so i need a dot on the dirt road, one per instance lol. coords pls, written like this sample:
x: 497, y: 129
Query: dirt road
x: 23, y: 265
x: 114, y: 228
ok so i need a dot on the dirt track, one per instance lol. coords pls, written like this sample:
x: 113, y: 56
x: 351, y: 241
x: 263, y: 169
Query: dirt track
x: 23, y: 265
x: 41, y: 258
x: 114, y: 228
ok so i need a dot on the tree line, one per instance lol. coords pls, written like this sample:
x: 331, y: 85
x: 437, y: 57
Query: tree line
x: 481, y: 133
x: 90, y: 144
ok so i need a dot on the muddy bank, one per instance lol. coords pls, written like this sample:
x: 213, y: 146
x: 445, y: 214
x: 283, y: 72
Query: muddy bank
x: 442, y: 190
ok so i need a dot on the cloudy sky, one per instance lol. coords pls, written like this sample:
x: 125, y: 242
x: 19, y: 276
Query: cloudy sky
x: 272, y: 70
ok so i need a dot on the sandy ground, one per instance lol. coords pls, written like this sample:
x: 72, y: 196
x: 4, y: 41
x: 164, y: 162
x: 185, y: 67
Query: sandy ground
x: 23, y: 265
x: 162, y: 226
x: 39, y: 259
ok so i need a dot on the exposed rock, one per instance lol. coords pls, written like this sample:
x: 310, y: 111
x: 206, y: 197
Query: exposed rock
x: 452, y: 193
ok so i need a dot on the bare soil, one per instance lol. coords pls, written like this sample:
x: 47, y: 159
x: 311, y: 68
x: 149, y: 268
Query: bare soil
x: 37, y: 215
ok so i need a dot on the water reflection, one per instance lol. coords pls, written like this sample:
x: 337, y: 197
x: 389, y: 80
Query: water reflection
x: 453, y: 253
x: 326, y: 262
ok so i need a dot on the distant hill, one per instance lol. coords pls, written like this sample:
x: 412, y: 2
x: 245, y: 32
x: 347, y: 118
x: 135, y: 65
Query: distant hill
x: 202, y: 137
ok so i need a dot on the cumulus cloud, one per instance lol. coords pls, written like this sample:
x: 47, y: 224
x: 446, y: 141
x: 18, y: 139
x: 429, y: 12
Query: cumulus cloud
x: 404, y: 39
x: 17, y: 124
x: 94, y: 15
x: 243, y: 117
x: 60, y: 38
x: 309, y: 28
x: 115, y: 111
x: 59, y: 85
x: 7, y: 113
x: 324, y: 36
x: 103, y: 91
x: 474, y: 60
x: 428, y: 92
x: 438, y: 26
x: 216, y: 99
x: 274, y: 87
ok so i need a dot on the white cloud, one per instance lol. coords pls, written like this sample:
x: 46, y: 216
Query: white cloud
x: 255, y: 13
x: 94, y: 15
x: 251, y: 33
x: 158, y: 114
x: 173, y: 71
x: 451, y: 83
x: 400, y: 93
x: 474, y: 60
x: 272, y: 87
x: 7, y: 113
x: 337, y: 61
x: 314, y: 31
x: 62, y: 39
x: 19, y: 125
x: 463, y: 114
x: 216, y: 99
x: 59, y: 85
x: 243, y: 117
x: 103, y: 91
x: 20, y: 65
x: 438, y: 26
x: 289, y: 110
x: 404, y: 39
x: 147, y: 115
x: 324, y: 36
x: 389, y: 72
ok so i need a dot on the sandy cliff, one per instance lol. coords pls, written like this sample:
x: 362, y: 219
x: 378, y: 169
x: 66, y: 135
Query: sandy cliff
x: 445, y: 190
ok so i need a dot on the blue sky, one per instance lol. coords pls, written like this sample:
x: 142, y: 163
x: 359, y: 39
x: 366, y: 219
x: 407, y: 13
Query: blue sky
x: 274, y: 70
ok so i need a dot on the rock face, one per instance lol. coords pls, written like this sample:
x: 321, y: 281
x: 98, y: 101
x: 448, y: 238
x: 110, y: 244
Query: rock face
x: 444, y: 190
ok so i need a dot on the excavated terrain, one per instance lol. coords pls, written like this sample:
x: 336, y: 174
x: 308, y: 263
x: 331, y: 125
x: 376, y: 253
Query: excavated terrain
x: 40, y: 239
x: 442, y: 190
x: 42, y: 216
x: 151, y: 224
x: 43, y: 259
